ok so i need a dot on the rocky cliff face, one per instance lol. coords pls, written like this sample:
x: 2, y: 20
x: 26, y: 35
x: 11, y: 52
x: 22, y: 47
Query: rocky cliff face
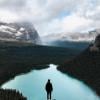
x: 97, y: 41
x: 96, y: 44
x: 19, y: 31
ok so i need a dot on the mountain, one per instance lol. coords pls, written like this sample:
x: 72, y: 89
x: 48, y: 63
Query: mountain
x: 19, y: 31
x: 86, y: 66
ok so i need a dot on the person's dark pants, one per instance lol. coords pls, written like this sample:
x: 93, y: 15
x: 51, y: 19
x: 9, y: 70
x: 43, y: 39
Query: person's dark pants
x: 48, y: 95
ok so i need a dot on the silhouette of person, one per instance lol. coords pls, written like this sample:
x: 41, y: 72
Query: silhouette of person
x: 49, y: 89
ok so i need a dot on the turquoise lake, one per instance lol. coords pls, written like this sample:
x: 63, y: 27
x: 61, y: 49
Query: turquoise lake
x: 32, y: 85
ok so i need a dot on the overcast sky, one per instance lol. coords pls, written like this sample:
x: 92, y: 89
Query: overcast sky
x: 53, y: 16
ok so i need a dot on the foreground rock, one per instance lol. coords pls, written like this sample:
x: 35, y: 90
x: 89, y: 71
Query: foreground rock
x: 86, y: 67
x: 11, y: 95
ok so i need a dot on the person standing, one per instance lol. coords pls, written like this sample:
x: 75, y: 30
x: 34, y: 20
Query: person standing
x: 49, y: 89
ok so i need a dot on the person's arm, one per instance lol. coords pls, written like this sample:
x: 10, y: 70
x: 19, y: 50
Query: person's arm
x: 51, y: 87
x: 46, y: 87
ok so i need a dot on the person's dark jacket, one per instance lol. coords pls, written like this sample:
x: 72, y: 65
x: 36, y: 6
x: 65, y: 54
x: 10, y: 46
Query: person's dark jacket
x: 49, y: 87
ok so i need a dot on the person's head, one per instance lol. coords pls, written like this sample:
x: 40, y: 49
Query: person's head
x: 49, y: 80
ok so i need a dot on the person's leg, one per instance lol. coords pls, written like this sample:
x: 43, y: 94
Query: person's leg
x: 47, y: 96
x: 50, y: 95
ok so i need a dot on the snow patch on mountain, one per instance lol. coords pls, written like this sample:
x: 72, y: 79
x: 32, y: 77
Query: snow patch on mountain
x: 19, y: 31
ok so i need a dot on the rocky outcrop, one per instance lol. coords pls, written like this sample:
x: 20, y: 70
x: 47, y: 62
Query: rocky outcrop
x: 19, y: 31
x: 97, y: 41
x: 96, y: 45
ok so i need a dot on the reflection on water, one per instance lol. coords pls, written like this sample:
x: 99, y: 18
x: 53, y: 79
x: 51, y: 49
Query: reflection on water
x: 32, y: 85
